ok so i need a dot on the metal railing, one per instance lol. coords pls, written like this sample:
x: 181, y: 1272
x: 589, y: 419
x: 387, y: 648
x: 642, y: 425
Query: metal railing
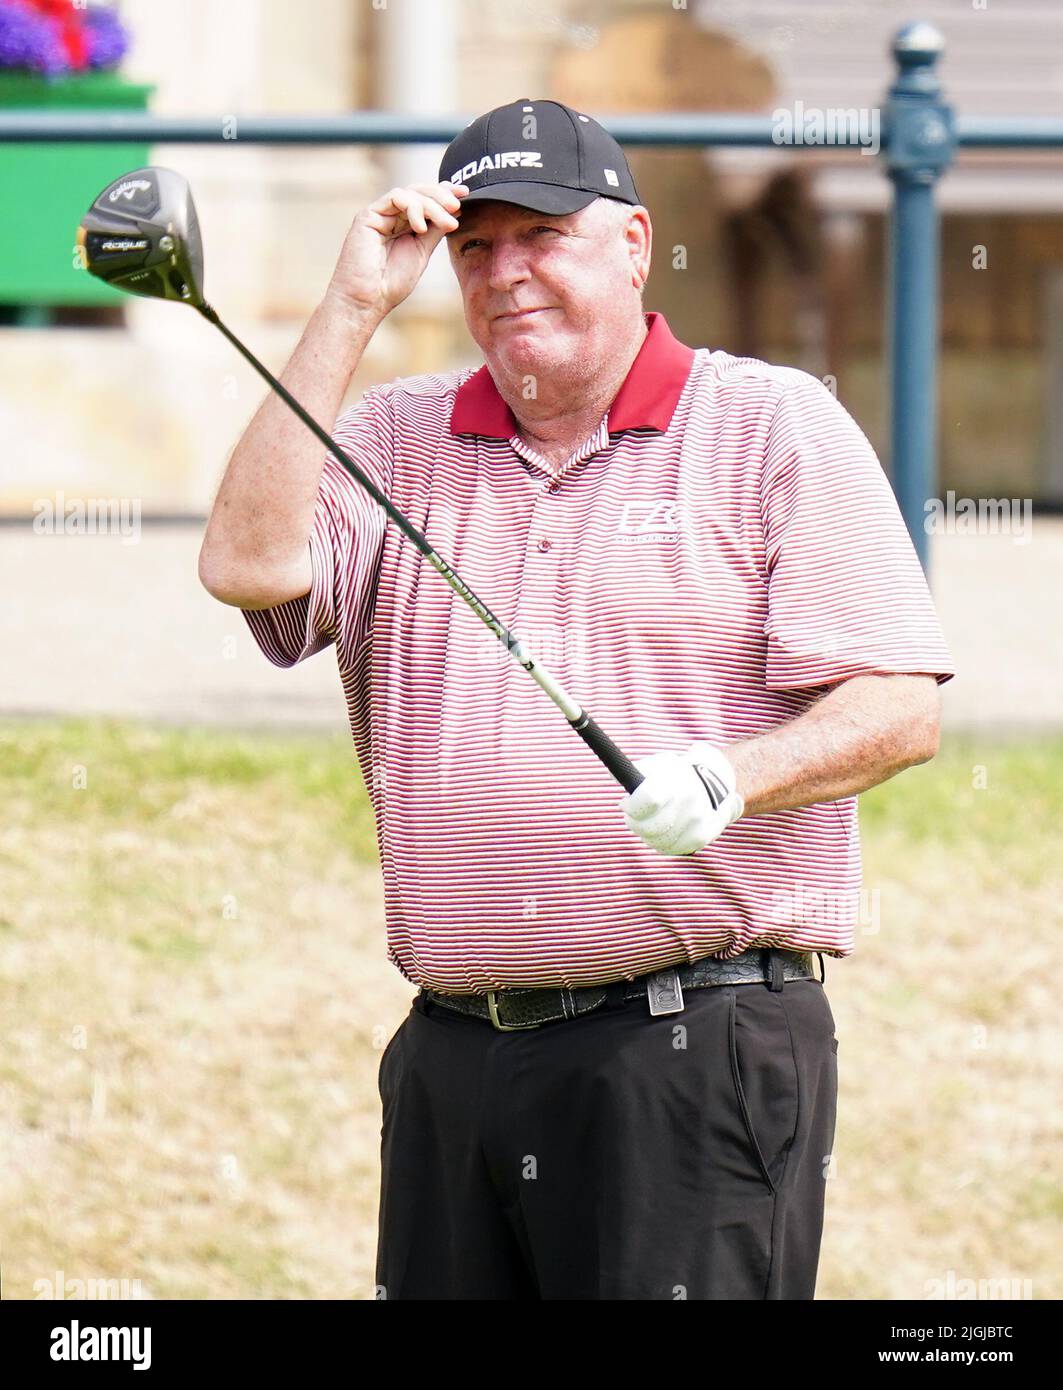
x: 919, y: 136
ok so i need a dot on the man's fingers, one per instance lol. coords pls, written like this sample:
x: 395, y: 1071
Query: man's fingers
x: 408, y: 205
x: 420, y: 208
x: 644, y: 803
x: 444, y: 193
x: 657, y: 787
x: 390, y: 212
x: 665, y: 822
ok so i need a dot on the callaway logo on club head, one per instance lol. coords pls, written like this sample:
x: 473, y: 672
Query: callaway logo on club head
x: 511, y: 159
x: 128, y: 190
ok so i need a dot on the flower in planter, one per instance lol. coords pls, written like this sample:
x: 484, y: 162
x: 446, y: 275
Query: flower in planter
x: 28, y: 42
x: 53, y: 38
x: 66, y: 21
x: 107, y: 37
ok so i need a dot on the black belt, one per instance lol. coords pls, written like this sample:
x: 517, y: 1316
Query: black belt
x: 512, y: 1009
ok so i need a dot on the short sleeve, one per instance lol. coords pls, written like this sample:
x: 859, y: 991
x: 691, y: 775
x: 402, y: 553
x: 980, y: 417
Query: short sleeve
x: 345, y: 543
x: 846, y: 592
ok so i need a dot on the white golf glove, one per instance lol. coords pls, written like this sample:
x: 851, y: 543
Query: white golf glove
x: 685, y: 801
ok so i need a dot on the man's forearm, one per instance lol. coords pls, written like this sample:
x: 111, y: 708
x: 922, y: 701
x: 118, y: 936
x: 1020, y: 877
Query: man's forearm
x: 262, y: 515
x: 860, y: 733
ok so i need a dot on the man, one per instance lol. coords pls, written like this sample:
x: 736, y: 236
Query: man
x: 618, y: 1079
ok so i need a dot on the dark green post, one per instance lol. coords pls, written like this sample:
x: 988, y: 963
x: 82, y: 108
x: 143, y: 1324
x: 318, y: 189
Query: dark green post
x: 919, y: 142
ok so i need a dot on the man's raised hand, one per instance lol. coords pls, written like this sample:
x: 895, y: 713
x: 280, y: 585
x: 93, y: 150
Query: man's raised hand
x: 390, y: 243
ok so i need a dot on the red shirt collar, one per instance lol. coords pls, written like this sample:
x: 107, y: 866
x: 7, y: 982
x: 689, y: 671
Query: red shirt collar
x: 646, y: 400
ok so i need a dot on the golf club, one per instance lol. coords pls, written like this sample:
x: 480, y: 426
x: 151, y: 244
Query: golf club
x: 142, y: 235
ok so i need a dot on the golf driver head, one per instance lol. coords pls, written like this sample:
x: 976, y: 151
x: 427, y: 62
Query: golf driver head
x: 142, y: 235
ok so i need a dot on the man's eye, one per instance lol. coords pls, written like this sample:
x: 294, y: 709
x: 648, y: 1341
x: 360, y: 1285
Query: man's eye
x: 474, y: 242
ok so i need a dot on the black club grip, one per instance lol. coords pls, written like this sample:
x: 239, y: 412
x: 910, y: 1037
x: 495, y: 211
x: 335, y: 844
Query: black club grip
x: 621, y: 766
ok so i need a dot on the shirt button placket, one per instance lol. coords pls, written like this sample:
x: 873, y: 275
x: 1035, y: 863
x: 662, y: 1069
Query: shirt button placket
x: 544, y: 544
x: 539, y: 592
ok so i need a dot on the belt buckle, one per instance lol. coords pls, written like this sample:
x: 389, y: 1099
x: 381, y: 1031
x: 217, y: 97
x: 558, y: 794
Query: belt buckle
x: 492, y: 1009
x: 664, y: 992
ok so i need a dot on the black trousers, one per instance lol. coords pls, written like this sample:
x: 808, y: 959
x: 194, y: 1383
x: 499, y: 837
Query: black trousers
x: 611, y: 1156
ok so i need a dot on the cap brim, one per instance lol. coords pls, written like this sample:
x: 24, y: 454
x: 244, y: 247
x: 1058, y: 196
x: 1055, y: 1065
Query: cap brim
x: 543, y: 197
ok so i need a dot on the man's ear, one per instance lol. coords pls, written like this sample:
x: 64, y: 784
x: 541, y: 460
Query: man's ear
x: 639, y: 236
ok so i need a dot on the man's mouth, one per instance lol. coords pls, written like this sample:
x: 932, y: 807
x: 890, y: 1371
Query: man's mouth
x: 523, y: 313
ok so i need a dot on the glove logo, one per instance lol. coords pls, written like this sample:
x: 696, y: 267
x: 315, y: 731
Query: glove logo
x: 713, y: 785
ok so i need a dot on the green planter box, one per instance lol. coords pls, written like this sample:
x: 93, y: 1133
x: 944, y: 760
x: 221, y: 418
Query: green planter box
x: 46, y: 188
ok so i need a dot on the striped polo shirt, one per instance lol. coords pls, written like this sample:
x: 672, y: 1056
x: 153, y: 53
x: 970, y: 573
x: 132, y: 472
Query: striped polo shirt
x: 723, y: 548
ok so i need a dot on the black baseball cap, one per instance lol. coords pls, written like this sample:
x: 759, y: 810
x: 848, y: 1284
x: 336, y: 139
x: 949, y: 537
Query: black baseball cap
x: 538, y: 154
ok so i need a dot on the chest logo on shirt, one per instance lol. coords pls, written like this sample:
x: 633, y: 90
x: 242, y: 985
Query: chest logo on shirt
x: 648, y: 521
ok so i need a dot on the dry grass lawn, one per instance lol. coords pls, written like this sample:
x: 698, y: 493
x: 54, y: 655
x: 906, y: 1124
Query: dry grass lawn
x: 195, y: 998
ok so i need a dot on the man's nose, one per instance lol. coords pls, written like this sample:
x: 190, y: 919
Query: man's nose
x: 509, y: 265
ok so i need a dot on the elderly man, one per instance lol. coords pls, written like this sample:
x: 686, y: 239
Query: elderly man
x: 618, y: 1078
